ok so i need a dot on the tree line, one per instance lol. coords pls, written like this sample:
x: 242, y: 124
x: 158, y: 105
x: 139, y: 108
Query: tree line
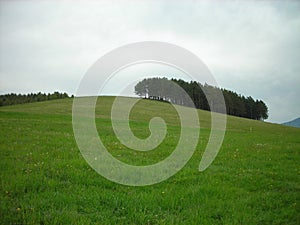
x: 12, y: 99
x: 164, y: 89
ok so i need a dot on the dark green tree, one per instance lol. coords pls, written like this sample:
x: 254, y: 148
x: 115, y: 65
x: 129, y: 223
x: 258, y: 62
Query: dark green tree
x: 236, y: 104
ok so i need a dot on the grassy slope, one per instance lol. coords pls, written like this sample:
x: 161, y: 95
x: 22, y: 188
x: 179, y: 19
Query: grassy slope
x: 45, y: 180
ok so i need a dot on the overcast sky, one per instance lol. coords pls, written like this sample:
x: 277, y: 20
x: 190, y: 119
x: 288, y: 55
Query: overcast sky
x: 251, y: 47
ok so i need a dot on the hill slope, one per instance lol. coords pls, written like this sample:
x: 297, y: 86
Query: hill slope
x: 293, y: 123
x: 45, y: 180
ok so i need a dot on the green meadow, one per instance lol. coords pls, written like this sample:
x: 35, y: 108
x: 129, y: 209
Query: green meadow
x: 45, y: 180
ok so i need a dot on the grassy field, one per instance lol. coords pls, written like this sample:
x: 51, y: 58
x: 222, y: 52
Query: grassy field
x: 45, y: 180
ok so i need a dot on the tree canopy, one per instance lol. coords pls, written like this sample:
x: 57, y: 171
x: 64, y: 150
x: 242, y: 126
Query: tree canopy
x: 12, y: 99
x: 237, y: 105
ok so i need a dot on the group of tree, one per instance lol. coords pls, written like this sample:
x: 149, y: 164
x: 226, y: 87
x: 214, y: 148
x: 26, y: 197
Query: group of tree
x: 164, y: 89
x: 12, y: 99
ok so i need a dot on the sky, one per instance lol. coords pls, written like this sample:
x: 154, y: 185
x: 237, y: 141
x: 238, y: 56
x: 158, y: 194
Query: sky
x: 250, y: 47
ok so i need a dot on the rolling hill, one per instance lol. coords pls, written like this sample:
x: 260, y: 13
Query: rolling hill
x: 45, y: 180
x: 293, y: 123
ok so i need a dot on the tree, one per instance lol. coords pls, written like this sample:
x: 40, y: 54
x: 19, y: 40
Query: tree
x: 236, y: 104
x: 11, y: 99
x: 141, y: 88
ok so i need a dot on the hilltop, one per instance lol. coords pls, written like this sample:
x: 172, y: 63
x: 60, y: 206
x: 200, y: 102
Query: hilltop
x: 293, y: 123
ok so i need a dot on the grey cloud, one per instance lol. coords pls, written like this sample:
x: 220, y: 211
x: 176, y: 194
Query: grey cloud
x: 252, y: 47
